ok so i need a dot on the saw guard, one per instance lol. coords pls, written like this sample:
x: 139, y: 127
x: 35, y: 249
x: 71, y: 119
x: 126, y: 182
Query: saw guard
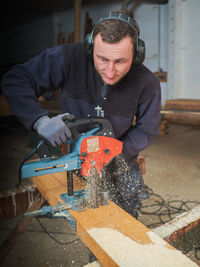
x: 97, y: 152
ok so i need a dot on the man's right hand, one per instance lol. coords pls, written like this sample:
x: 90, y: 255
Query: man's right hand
x: 53, y: 129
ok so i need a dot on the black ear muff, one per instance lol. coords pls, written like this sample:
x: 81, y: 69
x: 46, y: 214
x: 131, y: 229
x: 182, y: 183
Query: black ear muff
x: 139, y: 54
x: 88, y: 44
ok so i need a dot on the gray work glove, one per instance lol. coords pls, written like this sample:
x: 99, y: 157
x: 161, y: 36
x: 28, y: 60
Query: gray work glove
x: 53, y: 129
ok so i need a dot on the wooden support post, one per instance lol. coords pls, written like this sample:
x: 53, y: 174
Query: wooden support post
x: 77, y: 21
x: 15, y: 202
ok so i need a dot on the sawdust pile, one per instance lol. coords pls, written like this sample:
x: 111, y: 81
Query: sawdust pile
x: 93, y: 264
x: 128, y: 253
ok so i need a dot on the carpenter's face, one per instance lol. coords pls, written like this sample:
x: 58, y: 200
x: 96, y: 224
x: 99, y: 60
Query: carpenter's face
x: 112, y: 60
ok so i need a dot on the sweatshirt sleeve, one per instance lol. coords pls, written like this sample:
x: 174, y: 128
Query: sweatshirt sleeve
x: 24, y: 83
x: 140, y: 136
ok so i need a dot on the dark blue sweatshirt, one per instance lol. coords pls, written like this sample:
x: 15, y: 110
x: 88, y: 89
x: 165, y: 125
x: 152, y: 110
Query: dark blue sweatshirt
x: 67, y: 67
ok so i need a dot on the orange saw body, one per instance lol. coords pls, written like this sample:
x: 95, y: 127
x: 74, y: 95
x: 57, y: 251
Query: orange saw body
x: 98, y: 151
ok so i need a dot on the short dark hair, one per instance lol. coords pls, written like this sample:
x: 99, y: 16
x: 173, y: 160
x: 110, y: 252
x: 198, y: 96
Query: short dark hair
x: 113, y: 30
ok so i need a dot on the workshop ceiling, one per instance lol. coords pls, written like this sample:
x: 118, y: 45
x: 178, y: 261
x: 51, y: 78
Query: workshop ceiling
x: 16, y: 12
x: 23, y: 11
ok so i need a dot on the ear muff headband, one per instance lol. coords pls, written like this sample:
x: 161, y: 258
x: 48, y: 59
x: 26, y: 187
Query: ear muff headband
x: 140, y: 46
x: 121, y: 17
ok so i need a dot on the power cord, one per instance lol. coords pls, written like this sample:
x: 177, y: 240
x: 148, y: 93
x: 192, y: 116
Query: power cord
x: 52, y: 237
x: 155, y: 205
x: 163, y: 211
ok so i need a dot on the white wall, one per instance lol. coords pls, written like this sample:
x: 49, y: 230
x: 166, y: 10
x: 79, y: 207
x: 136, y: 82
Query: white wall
x: 190, y: 50
x: 153, y: 21
x: 184, y: 55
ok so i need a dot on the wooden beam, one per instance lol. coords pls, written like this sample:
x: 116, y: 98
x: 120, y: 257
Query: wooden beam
x: 183, y: 104
x: 77, y: 21
x: 15, y: 202
x: 107, y: 230
x: 181, y: 224
x: 179, y: 116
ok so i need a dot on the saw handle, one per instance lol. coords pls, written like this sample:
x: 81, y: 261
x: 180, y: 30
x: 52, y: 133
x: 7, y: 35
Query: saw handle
x: 75, y: 126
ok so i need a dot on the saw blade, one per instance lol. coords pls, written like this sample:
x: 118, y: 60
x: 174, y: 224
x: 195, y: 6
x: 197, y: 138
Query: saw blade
x: 97, y: 193
x: 92, y: 189
x: 103, y: 188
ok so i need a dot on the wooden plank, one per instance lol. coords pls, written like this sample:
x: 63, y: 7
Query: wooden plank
x: 77, y: 21
x: 181, y: 224
x: 183, y: 104
x: 185, y: 117
x: 16, y: 201
x: 108, y: 220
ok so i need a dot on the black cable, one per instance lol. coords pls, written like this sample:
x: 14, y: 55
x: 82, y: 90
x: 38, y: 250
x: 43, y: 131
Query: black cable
x: 162, y: 208
x: 197, y: 249
x: 44, y: 230
x: 36, y: 231
x: 49, y: 235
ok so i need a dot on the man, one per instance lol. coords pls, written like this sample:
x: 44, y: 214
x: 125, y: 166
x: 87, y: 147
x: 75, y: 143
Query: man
x: 101, y: 77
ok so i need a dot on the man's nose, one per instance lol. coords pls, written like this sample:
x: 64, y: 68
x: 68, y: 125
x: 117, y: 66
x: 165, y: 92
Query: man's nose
x: 110, y: 70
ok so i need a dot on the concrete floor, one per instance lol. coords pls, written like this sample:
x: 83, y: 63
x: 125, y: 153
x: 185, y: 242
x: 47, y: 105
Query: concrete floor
x: 172, y: 172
